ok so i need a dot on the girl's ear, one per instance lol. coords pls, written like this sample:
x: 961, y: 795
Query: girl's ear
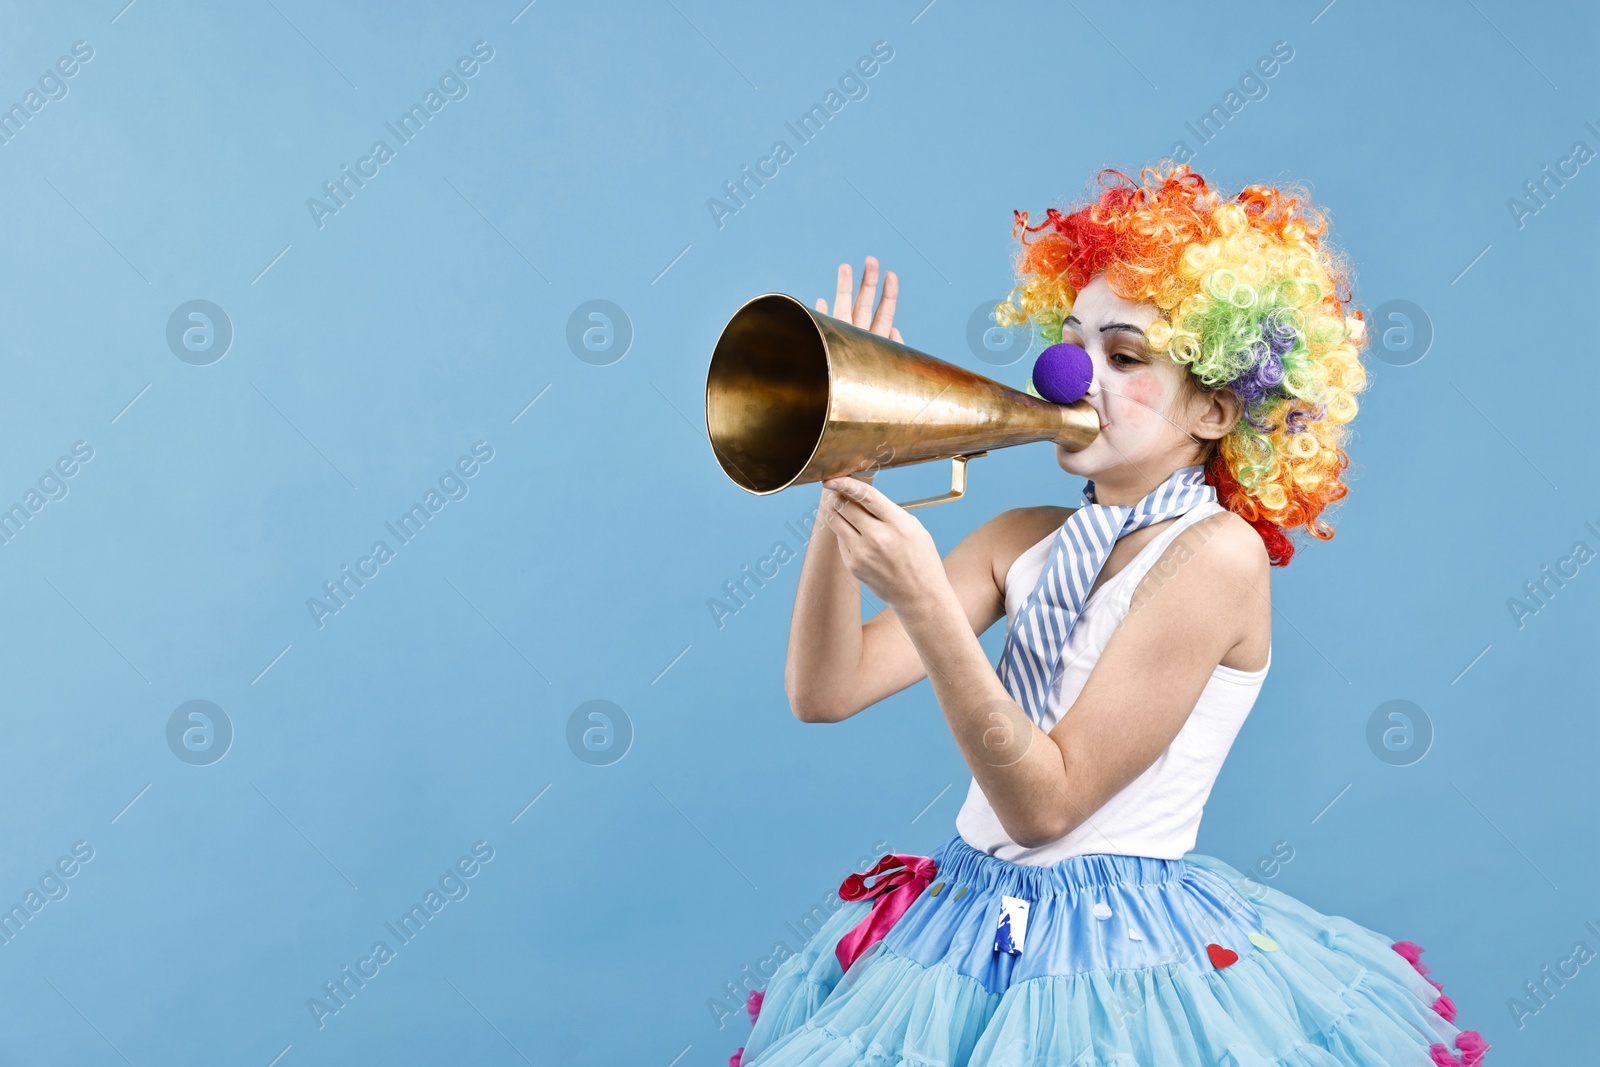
x: 1219, y: 412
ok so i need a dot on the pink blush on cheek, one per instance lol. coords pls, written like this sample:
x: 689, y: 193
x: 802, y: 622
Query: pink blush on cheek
x: 1140, y: 394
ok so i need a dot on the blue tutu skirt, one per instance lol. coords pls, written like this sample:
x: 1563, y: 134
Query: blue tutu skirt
x: 1127, y: 961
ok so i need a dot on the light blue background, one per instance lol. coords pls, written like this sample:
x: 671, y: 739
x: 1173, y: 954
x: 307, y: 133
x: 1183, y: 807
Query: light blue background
x: 426, y: 315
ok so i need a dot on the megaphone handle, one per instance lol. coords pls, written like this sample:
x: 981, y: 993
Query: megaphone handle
x: 958, y: 483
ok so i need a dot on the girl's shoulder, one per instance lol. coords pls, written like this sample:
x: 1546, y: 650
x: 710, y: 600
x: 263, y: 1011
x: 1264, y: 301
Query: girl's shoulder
x: 1218, y: 567
x: 1232, y: 543
x: 1011, y: 533
x: 1220, y: 555
x: 1022, y: 527
x: 1039, y: 519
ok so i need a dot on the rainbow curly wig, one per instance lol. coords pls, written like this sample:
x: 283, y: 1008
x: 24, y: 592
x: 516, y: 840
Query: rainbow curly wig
x: 1252, y: 301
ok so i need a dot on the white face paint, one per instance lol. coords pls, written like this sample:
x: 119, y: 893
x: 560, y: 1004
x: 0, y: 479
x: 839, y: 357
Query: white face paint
x: 1139, y: 395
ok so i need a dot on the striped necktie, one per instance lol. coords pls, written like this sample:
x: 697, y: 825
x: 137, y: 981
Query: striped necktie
x: 1034, y: 645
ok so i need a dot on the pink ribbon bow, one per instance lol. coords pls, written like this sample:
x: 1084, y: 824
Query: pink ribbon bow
x: 899, y: 880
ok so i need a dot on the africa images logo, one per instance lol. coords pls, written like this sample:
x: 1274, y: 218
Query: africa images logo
x: 452, y: 86
x: 453, y: 886
x: 853, y: 85
x: 452, y: 485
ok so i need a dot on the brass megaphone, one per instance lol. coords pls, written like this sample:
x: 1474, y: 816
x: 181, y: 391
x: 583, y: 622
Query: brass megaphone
x: 795, y: 396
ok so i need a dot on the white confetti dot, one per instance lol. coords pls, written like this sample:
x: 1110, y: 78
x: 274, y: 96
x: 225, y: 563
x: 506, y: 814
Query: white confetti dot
x: 1102, y: 910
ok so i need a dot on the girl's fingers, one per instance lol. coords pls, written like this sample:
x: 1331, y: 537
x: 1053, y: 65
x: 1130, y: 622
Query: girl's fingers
x: 861, y: 315
x: 841, y: 295
x: 894, y: 335
x: 883, y: 321
x: 840, y: 523
x: 858, y: 310
x: 863, y: 494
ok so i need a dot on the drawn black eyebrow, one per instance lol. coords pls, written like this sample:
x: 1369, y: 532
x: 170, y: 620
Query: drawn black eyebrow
x: 1121, y: 327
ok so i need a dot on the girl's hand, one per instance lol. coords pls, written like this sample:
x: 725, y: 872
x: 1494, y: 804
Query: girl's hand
x: 860, y: 313
x: 882, y: 545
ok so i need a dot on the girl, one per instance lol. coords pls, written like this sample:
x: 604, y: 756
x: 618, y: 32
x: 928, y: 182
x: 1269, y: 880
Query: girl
x: 1066, y: 921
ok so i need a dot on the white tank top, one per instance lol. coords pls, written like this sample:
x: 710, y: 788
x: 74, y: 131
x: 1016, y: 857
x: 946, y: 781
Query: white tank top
x: 1158, y: 813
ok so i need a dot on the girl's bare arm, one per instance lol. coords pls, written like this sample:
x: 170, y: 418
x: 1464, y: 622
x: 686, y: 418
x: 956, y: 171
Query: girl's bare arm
x: 1142, y: 689
x: 836, y: 664
x: 1138, y: 696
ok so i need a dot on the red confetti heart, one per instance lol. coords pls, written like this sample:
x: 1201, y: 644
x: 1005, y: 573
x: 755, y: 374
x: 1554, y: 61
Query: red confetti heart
x: 1221, y: 957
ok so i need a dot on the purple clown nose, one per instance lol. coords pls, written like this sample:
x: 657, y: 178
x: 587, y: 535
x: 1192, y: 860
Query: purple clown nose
x: 1062, y: 373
